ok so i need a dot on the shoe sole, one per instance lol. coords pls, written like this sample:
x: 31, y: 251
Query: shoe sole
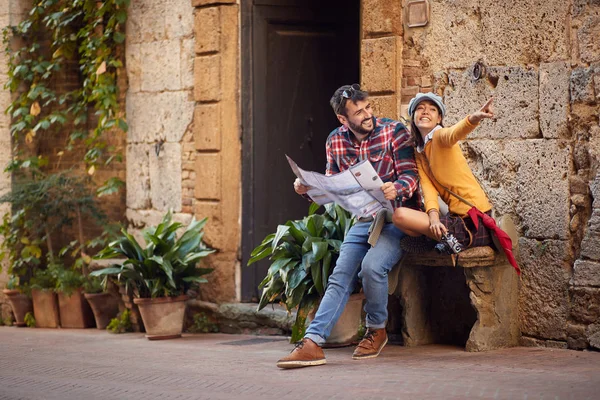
x: 371, y: 355
x: 300, y: 364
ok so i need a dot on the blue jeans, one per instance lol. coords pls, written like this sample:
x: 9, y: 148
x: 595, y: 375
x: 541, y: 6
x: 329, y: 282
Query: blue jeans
x: 358, y: 260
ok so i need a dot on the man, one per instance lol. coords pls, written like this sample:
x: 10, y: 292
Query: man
x: 387, y: 145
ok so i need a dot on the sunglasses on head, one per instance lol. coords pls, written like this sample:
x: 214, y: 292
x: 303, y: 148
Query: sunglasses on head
x: 347, y: 94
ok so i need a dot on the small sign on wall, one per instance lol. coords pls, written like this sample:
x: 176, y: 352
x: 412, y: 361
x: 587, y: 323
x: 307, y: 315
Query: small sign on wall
x: 417, y: 13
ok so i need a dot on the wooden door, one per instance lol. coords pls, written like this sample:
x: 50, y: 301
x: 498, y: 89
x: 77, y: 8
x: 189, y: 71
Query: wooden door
x: 297, y: 52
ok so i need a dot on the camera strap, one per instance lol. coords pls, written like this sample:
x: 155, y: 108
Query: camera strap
x: 429, y: 173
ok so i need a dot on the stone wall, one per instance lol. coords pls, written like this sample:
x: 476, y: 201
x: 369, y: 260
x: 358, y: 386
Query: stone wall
x: 183, y: 148
x: 541, y: 62
x: 11, y: 13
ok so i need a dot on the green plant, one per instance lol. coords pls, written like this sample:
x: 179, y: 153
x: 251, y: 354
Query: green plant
x: 45, y: 279
x: 29, y: 320
x: 302, y: 254
x: 69, y: 280
x: 121, y: 324
x: 166, y: 266
x: 93, y: 284
x: 203, y: 324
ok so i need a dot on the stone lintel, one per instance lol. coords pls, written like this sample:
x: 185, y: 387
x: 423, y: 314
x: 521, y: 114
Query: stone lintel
x: 201, y: 3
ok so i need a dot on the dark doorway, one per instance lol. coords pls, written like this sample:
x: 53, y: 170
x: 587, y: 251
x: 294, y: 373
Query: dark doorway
x: 295, y: 54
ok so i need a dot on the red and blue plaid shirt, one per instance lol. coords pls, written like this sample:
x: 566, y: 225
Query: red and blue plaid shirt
x: 390, y: 150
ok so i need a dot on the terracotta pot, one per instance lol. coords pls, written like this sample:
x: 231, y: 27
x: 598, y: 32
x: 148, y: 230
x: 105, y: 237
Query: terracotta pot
x: 20, y: 303
x: 104, y: 306
x: 345, y: 331
x: 45, y: 308
x: 162, y: 316
x: 75, y: 312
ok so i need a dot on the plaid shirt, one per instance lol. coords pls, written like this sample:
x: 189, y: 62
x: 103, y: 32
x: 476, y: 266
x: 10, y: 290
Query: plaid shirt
x: 390, y: 150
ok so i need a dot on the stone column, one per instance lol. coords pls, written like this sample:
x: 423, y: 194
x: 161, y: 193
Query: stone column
x: 12, y: 12
x: 216, y: 139
x: 381, y: 55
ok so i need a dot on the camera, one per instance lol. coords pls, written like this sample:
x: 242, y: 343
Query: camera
x: 449, y: 245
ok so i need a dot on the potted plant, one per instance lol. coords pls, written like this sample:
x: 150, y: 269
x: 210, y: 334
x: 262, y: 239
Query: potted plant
x: 161, y: 273
x: 105, y: 305
x: 45, y: 302
x: 303, y: 254
x: 75, y: 312
x: 19, y: 300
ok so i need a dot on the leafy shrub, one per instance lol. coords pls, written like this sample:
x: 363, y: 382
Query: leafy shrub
x: 121, y: 324
x: 29, y: 320
x: 203, y: 324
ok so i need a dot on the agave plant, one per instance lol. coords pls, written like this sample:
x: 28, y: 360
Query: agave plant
x: 166, y: 267
x: 303, y: 254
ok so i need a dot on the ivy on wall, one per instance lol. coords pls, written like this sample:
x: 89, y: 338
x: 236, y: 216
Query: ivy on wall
x: 56, y: 33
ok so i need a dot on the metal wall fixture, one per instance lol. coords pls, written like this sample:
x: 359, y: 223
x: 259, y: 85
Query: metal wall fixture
x: 417, y: 13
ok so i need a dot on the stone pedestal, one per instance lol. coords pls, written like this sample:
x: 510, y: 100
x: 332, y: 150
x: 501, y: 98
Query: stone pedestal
x: 492, y: 286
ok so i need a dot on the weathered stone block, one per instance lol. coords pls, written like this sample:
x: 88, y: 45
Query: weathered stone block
x: 385, y: 106
x: 138, y: 176
x: 153, y: 20
x: 207, y: 78
x: 5, y: 157
x: 577, y: 338
x: 527, y: 32
x: 153, y: 116
x: 207, y: 27
x: 586, y: 273
x: 208, y: 176
x: 588, y: 34
x: 222, y: 280
x: 542, y: 187
x: 207, y: 124
x: 378, y: 61
x: 187, y: 63
x: 515, y: 101
x: 554, y: 99
x: 133, y: 54
x: 179, y: 19
x: 133, y: 25
x: 161, y: 69
x: 381, y: 16
x: 543, y: 301
x: 582, y: 85
x: 165, y: 178
x: 585, y: 304
x: 214, y: 236
x: 454, y: 36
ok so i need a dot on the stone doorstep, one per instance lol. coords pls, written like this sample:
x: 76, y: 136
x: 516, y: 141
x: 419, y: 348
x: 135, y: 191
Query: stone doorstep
x: 243, y: 318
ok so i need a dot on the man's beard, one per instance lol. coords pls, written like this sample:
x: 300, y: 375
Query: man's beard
x: 359, y: 128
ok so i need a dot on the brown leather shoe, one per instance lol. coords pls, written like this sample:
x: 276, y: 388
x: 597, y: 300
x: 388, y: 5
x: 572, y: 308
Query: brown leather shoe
x: 306, y: 354
x: 371, y: 344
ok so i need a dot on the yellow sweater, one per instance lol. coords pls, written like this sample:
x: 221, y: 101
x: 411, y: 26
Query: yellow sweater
x: 450, y: 168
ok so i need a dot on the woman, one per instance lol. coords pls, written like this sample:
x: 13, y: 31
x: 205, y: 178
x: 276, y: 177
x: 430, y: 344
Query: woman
x: 444, y: 171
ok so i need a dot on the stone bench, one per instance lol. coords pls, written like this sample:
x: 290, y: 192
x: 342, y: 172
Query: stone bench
x: 492, y: 287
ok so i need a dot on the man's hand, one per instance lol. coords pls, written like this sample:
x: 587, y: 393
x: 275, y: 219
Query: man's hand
x: 299, y: 187
x: 484, y: 112
x: 389, y: 191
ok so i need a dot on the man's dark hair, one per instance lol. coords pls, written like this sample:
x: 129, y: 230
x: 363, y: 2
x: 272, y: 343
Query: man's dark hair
x: 343, y: 94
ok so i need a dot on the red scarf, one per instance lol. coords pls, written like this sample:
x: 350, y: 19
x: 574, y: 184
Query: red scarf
x: 503, y: 238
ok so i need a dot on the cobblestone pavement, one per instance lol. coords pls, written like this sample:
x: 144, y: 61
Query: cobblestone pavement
x: 91, y: 364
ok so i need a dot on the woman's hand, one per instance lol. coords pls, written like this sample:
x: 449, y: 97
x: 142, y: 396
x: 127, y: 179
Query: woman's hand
x: 484, y: 112
x: 436, y: 228
x: 389, y: 191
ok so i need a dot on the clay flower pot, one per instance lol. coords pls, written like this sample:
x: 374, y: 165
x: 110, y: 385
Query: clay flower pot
x: 162, y: 316
x: 45, y: 308
x: 104, y: 306
x: 75, y: 312
x: 20, y: 304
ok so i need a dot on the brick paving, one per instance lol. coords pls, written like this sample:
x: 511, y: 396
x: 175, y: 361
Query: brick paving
x: 92, y: 364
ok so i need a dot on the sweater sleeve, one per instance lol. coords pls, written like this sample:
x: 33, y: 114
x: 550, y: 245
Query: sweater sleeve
x: 459, y: 131
x: 430, y: 193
